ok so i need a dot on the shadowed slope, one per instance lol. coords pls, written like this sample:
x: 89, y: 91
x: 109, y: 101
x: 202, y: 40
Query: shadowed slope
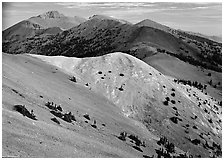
x: 101, y: 35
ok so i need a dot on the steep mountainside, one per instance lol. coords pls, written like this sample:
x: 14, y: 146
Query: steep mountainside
x: 119, y: 107
x: 101, y: 35
x: 198, y: 36
x: 184, y: 115
x: 213, y: 38
x: 39, y: 24
x: 176, y: 68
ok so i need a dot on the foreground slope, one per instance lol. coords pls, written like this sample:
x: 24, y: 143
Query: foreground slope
x: 187, y: 117
x: 31, y: 82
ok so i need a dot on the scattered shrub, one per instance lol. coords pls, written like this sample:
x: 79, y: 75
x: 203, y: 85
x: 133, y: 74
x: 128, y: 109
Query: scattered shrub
x: 137, y: 148
x: 94, y: 124
x: 73, y: 79
x: 86, y: 116
x: 194, y: 127
x: 22, y: 109
x: 121, y: 89
x: 175, y: 108
x: 135, y: 138
x: 196, y: 141
x: 57, y: 114
x: 68, y: 117
x: 59, y: 108
x: 167, y: 98
x: 173, y: 101
x: 55, y: 120
x: 166, y: 103
x: 174, y: 120
x: 122, y: 136
x: 210, y: 120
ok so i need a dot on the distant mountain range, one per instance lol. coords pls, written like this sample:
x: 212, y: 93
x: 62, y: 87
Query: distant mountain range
x: 100, y: 35
x: 51, y: 22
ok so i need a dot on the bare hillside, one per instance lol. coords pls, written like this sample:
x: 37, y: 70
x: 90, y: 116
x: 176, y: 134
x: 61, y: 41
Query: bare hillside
x: 117, y: 100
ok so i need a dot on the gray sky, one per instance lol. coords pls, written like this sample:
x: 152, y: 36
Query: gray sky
x: 205, y: 18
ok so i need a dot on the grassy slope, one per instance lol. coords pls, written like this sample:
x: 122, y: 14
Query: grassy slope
x: 174, y: 67
x: 142, y: 96
x: 27, y: 138
x: 23, y: 137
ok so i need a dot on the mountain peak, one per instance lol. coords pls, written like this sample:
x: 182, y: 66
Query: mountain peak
x: 103, y: 17
x: 153, y: 24
x: 51, y: 14
x: 100, y: 17
x: 148, y: 22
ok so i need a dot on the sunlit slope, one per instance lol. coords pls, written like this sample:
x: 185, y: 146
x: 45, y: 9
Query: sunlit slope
x: 31, y: 82
x: 186, y: 116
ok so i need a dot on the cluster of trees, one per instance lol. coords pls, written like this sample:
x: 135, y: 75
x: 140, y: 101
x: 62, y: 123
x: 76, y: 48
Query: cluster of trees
x: 216, y: 148
x: 22, y: 109
x: 133, y: 139
x: 190, y: 83
x: 56, y: 110
x: 53, y: 106
x: 137, y: 141
x: 168, y: 149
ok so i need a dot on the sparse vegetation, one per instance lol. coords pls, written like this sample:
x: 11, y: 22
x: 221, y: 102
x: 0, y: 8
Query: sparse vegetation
x: 173, y: 101
x: 73, y: 79
x: 56, y: 110
x: 55, y: 120
x: 122, y: 136
x: 86, y: 116
x: 175, y: 119
x: 190, y: 83
x: 22, y: 109
x: 166, y: 103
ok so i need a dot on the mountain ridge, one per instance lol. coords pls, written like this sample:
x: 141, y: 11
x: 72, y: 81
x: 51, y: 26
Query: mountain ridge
x: 101, y: 35
x: 30, y: 27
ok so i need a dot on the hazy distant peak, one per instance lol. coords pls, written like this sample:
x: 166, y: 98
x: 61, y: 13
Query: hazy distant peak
x: 100, y: 17
x: 51, y: 14
x: 103, y: 17
x: 79, y: 19
x: 148, y: 20
x: 153, y: 24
